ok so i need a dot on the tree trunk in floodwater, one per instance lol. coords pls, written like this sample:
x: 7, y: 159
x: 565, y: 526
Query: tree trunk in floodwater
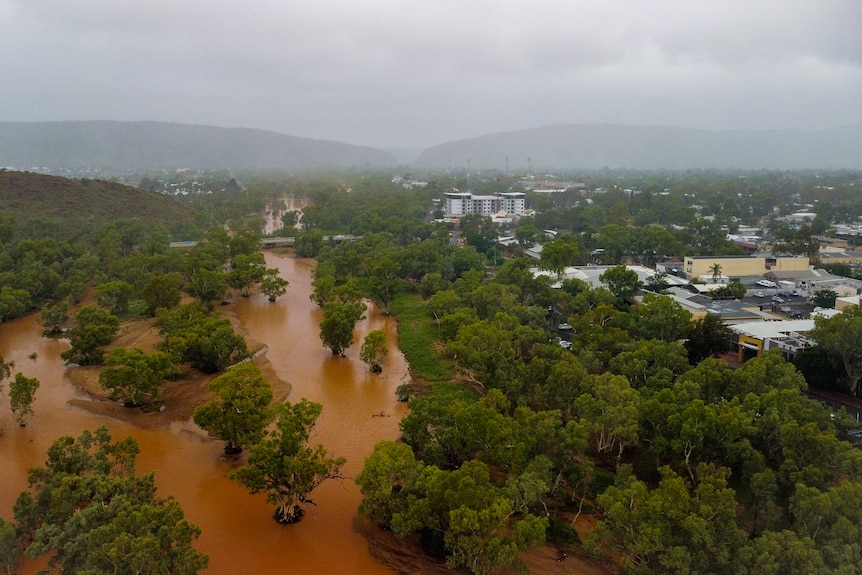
x: 287, y: 514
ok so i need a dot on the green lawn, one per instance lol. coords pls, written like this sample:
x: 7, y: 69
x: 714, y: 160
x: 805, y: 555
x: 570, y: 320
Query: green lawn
x: 418, y: 339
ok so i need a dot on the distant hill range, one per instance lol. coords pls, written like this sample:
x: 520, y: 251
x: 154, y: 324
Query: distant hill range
x: 120, y: 147
x: 58, y: 207
x: 594, y: 146
x: 133, y: 146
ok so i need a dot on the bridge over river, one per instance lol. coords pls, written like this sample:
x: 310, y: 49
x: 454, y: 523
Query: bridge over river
x: 276, y: 242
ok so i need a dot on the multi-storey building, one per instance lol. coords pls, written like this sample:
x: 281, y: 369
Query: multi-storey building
x: 463, y: 203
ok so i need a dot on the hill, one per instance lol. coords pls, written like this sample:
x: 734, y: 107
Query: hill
x: 136, y: 146
x: 594, y: 146
x: 63, y: 208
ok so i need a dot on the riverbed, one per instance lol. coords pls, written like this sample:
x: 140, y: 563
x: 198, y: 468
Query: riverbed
x: 238, y: 532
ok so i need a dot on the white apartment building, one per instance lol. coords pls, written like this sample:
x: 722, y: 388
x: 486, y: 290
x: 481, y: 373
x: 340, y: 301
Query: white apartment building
x: 463, y: 203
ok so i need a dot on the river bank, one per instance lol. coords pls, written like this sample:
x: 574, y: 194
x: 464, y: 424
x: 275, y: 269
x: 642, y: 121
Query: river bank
x: 178, y: 398
x: 237, y: 529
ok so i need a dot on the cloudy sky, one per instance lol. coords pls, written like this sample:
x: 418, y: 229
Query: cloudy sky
x: 406, y: 73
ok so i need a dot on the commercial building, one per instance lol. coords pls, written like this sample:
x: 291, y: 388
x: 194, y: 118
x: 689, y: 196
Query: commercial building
x: 758, y: 336
x: 789, y: 336
x: 743, y: 266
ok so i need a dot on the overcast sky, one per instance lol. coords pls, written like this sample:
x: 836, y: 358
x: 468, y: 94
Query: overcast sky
x: 407, y: 73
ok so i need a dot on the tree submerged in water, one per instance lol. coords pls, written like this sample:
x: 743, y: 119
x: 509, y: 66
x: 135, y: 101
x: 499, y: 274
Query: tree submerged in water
x: 285, y: 466
x: 239, y: 413
x: 88, y: 511
x: 374, y: 350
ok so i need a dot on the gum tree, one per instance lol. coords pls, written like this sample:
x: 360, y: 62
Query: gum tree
x: 239, y: 412
x: 88, y: 512
x: 135, y: 377
x: 374, y: 350
x: 285, y: 466
x: 22, y: 391
x: 339, y: 319
x: 94, y: 328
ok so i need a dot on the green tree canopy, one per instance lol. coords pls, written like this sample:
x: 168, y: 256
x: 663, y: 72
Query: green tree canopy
x: 385, y: 480
x: 247, y: 271
x: 339, y: 319
x: 374, y: 349
x: 285, y: 466
x: 622, y: 282
x: 707, y: 336
x: 94, y: 328
x: 8, y: 547
x: 240, y: 411
x: 88, y: 512
x: 660, y: 317
x: 841, y: 335
x: 559, y: 254
x: 54, y: 318
x: 114, y: 296
x: 162, y: 291
x: 470, y: 518
x: 135, y: 377
x: 273, y: 286
x: 824, y: 298
x: 22, y: 391
x: 201, y: 338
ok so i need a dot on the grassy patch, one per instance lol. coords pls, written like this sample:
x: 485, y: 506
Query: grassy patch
x: 418, y: 340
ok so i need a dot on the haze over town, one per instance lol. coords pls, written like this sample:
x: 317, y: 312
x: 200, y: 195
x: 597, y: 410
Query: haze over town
x: 404, y: 74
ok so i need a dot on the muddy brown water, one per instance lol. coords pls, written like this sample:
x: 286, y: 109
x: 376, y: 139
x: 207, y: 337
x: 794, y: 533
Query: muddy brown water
x: 238, y: 532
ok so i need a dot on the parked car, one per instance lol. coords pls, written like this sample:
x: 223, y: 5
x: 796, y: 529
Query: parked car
x: 767, y: 284
x: 777, y: 299
x: 759, y: 294
x: 564, y: 326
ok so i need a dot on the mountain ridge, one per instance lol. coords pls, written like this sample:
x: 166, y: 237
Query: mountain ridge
x: 117, y: 146
x: 148, y: 145
x: 595, y: 146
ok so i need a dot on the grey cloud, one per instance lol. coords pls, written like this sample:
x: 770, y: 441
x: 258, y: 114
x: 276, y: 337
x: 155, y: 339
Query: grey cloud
x: 404, y: 72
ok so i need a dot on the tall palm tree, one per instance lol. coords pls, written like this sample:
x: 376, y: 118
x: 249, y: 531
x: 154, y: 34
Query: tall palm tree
x: 716, y: 272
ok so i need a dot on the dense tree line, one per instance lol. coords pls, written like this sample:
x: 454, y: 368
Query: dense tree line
x: 88, y: 511
x: 690, y: 465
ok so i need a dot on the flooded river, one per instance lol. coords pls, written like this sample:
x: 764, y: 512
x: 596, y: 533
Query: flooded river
x: 239, y: 533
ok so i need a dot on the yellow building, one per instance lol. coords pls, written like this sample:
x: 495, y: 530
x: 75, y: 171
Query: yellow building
x: 743, y: 266
x: 827, y: 258
x: 758, y: 336
x: 842, y: 303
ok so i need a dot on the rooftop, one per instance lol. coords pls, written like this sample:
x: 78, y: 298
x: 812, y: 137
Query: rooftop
x: 773, y: 329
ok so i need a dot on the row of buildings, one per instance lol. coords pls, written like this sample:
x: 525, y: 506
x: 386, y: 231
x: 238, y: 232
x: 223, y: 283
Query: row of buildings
x: 758, y: 322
